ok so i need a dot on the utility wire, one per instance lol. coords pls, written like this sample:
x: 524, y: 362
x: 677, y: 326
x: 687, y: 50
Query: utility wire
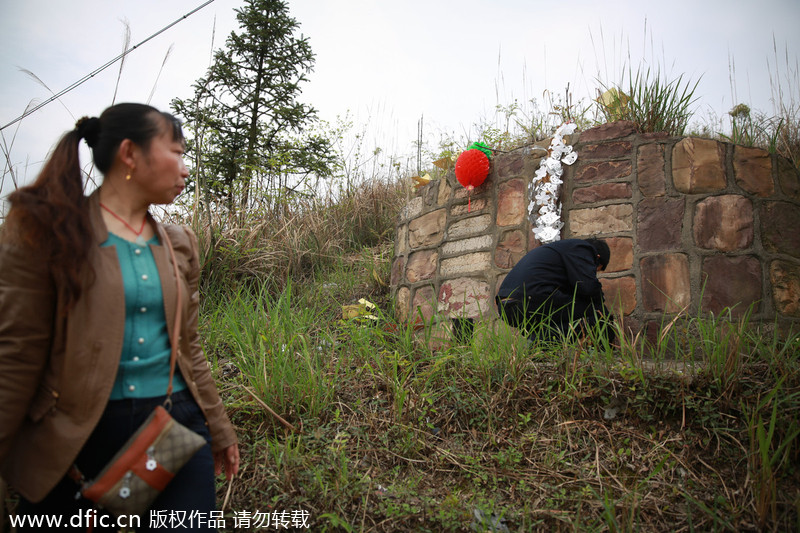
x: 99, y: 70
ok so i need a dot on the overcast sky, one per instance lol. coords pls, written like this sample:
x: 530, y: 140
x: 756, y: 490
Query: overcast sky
x: 390, y: 63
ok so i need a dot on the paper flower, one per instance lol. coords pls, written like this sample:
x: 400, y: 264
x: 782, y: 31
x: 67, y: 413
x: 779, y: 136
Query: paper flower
x: 570, y: 158
x: 542, y: 197
x: 567, y: 128
x: 547, y: 234
x: 546, y: 220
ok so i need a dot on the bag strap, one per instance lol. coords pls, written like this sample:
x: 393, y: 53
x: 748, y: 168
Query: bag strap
x: 74, y: 472
x: 175, y: 341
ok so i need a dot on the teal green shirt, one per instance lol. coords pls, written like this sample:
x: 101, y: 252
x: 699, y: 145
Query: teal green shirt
x: 146, y: 349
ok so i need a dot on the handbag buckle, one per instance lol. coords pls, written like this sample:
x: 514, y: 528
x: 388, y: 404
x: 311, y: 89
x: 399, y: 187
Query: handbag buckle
x: 151, y: 463
x: 125, y: 490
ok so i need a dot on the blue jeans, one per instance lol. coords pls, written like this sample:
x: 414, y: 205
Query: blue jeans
x: 191, y: 490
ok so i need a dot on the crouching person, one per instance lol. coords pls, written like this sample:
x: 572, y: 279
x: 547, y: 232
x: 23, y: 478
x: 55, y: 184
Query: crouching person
x: 555, y: 286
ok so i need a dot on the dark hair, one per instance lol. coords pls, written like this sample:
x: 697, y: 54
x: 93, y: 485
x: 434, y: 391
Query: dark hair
x: 601, y: 251
x: 50, y: 216
x: 137, y: 122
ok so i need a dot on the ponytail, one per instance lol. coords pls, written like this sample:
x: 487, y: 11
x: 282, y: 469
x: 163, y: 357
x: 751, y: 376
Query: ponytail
x: 49, y: 217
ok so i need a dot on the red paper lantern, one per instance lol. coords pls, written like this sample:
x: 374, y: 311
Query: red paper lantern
x: 472, y: 168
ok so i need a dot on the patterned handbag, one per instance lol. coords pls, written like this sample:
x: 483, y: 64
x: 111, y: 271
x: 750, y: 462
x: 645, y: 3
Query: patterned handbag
x: 144, y: 466
x: 152, y: 456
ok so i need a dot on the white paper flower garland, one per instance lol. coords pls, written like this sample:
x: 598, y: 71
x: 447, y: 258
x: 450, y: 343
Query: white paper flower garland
x: 545, y: 209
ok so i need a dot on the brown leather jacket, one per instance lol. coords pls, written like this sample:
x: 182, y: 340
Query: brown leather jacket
x: 57, y: 369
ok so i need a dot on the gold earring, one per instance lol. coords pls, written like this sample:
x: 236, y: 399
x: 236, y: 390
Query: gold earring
x: 128, y: 177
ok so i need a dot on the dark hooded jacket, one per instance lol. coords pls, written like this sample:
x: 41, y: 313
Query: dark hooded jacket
x: 561, y: 270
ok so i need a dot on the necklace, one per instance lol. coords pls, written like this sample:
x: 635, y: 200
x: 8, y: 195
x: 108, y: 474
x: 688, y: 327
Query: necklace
x: 139, y: 238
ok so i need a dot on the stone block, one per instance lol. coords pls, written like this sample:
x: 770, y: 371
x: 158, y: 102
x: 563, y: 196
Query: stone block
x: 412, y: 209
x: 398, y: 266
x: 598, y: 220
x: 653, y: 136
x: 724, y: 223
x: 533, y: 242
x: 511, y: 203
x: 424, y: 304
x: 475, y: 206
x: 698, y: 166
x: 401, y: 241
x: 731, y: 282
x: 621, y: 254
x: 785, y: 277
x: 445, y: 191
x: 465, y: 298
x: 752, y: 168
x: 427, y: 230
x: 603, y: 171
x: 430, y: 193
x: 499, y: 281
x: 606, y: 150
x: 650, y: 173
x: 511, y: 248
x: 464, y: 264
x: 509, y: 165
x: 468, y: 227
x: 788, y: 178
x: 601, y: 193
x: 403, y: 302
x: 421, y: 265
x: 470, y: 244
x: 660, y: 223
x: 665, y: 283
x: 609, y: 130
x: 620, y: 294
x: 534, y: 160
x: 780, y: 227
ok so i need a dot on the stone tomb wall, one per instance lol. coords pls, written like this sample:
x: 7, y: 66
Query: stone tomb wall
x: 692, y: 223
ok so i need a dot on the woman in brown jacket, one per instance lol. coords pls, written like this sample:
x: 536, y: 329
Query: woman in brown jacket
x: 86, y: 289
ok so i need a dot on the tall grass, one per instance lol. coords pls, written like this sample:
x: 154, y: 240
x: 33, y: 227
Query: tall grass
x: 307, y: 235
x: 653, y: 102
x: 776, y: 130
x: 785, y: 87
x: 401, y: 434
x: 277, y: 345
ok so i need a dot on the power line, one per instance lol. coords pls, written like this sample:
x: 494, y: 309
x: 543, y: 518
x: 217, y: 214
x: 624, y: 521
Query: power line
x: 99, y: 70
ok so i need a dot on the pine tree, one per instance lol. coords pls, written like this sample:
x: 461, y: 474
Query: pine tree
x: 250, y: 131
